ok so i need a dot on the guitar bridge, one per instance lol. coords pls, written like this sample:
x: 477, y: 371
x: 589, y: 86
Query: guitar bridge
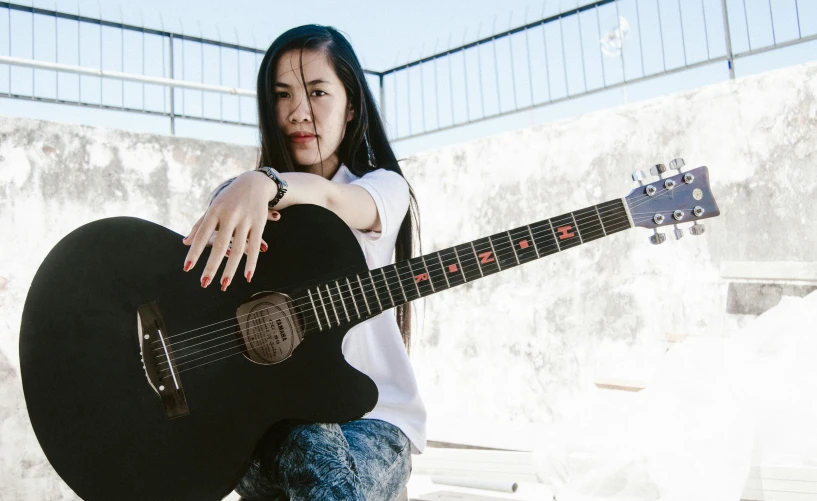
x: 158, y: 360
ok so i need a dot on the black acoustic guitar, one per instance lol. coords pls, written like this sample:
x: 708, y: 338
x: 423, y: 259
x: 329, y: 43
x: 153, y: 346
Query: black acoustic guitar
x: 142, y: 386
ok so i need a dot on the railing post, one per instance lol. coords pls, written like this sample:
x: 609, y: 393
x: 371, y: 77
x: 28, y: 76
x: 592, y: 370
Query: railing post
x: 172, y: 93
x: 382, y: 101
x: 730, y: 59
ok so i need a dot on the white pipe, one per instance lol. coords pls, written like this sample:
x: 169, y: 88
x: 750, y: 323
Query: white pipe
x: 477, y: 483
x: 169, y: 82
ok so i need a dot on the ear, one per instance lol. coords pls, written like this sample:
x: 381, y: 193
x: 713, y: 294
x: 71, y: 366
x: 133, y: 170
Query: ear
x: 350, y: 112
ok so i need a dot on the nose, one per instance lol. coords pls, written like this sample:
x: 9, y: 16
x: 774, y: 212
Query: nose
x: 301, y: 112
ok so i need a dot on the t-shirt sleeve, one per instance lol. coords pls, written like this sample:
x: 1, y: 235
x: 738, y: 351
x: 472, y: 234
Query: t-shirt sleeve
x: 391, y: 196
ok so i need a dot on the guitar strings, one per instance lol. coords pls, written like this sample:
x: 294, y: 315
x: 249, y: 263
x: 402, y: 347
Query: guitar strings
x: 399, y: 276
x: 214, y: 353
x: 186, y: 363
x: 340, y: 296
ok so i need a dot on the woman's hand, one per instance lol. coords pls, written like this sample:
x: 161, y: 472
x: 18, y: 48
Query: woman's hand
x: 234, y: 221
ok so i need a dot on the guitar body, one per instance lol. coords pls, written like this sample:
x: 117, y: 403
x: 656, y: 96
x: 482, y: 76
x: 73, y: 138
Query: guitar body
x: 98, y: 420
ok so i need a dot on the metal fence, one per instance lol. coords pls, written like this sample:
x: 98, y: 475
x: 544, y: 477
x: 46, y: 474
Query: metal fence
x: 564, y: 54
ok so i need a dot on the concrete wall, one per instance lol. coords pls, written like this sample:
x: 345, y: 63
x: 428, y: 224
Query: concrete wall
x: 500, y: 356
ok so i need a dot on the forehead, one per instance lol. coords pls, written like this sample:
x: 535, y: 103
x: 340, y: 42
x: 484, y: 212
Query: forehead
x: 315, y: 66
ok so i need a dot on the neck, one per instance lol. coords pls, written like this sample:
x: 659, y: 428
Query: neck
x: 367, y: 294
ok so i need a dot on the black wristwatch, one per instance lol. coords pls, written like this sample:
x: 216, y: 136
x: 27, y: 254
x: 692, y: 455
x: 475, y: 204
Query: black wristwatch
x: 282, y: 185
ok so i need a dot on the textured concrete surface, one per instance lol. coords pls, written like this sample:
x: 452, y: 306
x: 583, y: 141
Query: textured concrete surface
x: 497, y: 357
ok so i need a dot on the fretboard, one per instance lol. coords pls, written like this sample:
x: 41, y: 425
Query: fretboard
x: 361, y: 296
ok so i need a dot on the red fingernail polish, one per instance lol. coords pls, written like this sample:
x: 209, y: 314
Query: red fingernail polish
x: 228, y: 252
x: 263, y: 247
x: 224, y: 283
x: 249, y: 276
x: 187, y: 265
x: 205, y: 281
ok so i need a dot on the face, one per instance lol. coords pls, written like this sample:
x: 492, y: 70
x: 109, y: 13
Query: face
x: 331, y: 110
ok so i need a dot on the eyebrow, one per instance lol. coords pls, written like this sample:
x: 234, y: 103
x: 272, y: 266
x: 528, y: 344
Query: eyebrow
x: 313, y: 82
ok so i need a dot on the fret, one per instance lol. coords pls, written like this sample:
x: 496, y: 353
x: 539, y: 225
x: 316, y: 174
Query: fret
x: 332, y: 302
x: 554, y: 236
x: 422, y: 280
x: 323, y: 306
x: 442, y: 267
x: 374, y: 288
x: 504, y: 252
x: 513, y: 247
x: 430, y: 281
x: 451, y: 266
x: 589, y: 224
x: 317, y: 318
x: 615, y: 216
x: 363, y: 293
x: 352, y: 295
x: 407, y: 280
x: 544, y: 238
x: 576, y: 225
x: 457, y: 255
x: 530, y: 232
x: 436, y: 274
x: 487, y: 259
x: 565, y: 231
x: 523, y: 244
x: 468, y: 261
x: 491, y: 244
x: 400, y: 282
x: 340, y: 294
x: 388, y: 288
x: 476, y: 260
x: 600, y: 221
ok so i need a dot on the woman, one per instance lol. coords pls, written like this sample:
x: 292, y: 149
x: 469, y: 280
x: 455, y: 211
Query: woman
x: 321, y: 132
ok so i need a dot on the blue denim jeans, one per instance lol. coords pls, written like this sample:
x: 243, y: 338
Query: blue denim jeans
x: 361, y: 460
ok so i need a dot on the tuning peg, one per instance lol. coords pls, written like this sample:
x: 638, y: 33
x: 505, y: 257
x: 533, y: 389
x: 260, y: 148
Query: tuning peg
x: 658, y: 238
x: 639, y: 176
x: 697, y: 229
x: 678, y: 232
x: 658, y: 169
x: 676, y: 163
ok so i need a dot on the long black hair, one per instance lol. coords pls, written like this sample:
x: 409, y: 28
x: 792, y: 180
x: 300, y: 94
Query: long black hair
x: 365, y: 146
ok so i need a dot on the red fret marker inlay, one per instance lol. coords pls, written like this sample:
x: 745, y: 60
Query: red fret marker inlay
x: 565, y: 232
x: 486, y: 257
x: 421, y: 277
x: 523, y: 244
x: 452, y: 268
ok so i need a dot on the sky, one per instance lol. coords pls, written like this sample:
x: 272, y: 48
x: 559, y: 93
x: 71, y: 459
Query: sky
x: 388, y: 33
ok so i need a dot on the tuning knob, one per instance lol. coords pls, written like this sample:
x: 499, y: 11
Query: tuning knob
x: 658, y: 169
x: 678, y: 233
x: 658, y: 238
x: 639, y: 176
x: 676, y: 163
x: 697, y: 229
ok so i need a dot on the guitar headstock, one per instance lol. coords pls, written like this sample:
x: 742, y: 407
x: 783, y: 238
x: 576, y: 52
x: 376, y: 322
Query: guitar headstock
x: 672, y: 200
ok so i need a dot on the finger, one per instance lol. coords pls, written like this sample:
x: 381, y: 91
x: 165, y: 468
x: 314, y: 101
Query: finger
x: 252, y: 253
x: 219, y: 250
x: 240, y: 240
x: 274, y: 215
x: 263, y: 246
x: 193, y: 230
x: 199, y: 241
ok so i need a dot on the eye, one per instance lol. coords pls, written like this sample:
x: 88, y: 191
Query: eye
x: 278, y: 94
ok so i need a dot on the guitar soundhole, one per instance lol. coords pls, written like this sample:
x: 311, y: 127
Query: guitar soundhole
x: 269, y: 333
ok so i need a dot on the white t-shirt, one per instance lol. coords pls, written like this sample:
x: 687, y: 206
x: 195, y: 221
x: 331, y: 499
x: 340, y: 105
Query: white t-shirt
x: 375, y: 346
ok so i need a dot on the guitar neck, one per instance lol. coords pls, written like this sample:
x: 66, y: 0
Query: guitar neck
x: 367, y: 294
